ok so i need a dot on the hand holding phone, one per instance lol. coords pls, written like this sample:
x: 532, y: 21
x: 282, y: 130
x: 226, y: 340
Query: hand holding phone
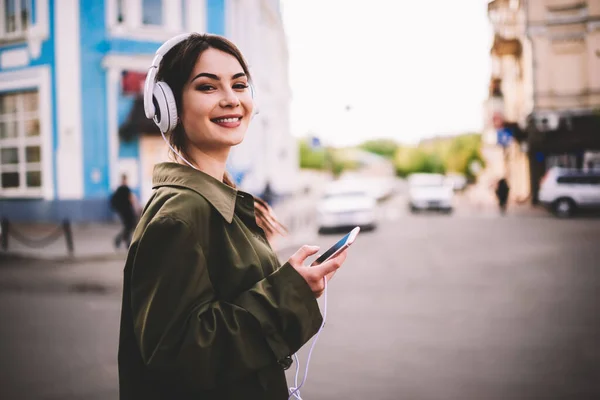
x: 337, y: 248
x: 325, y: 265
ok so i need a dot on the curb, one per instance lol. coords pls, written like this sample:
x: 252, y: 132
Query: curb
x: 12, y: 255
x: 50, y: 283
x: 90, y: 288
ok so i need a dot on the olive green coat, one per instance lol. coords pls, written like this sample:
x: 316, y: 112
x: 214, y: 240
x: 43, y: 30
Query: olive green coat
x: 207, y: 312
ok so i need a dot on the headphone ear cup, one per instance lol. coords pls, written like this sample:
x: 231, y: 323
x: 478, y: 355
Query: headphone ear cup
x: 166, y: 116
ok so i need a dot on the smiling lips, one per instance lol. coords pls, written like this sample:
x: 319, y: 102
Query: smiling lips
x: 228, y: 121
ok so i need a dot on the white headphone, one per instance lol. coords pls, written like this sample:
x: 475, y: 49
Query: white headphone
x: 159, y: 94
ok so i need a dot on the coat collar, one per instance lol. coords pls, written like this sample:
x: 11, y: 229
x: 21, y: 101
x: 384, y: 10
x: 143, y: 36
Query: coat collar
x: 221, y: 196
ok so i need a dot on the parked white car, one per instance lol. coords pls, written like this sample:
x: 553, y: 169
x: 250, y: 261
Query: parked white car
x: 346, y: 206
x: 564, y: 191
x: 430, y: 192
x: 458, y: 181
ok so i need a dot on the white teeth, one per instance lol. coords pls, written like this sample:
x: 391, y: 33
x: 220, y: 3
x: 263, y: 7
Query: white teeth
x: 227, y: 119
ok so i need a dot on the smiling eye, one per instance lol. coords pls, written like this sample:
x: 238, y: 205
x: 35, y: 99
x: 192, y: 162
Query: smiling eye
x: 240, y: 86
x: 205, y: 88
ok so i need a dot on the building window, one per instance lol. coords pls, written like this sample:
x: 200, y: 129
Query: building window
x: 139, y: 13
x: 153, y: 20
x: 152, y: 12
x: 15, y: 18
x: 20, y: 143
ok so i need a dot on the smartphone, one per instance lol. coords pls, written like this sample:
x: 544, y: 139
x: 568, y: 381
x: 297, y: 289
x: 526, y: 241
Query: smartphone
x: 337, y: 248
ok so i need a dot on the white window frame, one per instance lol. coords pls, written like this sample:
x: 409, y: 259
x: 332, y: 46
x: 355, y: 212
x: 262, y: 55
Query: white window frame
x: 37, y: 78
x: 114, y: 65
x: 19, y: 32
x: 132, y: 26
x: 21, y: 142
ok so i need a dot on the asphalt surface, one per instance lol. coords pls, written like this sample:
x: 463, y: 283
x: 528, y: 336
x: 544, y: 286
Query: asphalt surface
x: 426, y: 307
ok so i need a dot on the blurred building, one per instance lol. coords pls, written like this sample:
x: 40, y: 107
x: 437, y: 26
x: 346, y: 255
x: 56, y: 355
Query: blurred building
x: 544, y: 102
x: 71, y: 114
x: 269, y: 152
x: 373, y: 173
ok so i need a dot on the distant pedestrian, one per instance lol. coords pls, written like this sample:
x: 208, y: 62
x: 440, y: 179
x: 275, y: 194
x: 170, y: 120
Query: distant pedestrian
x: 123, y: 201
x: 268, y: 195
x: 591, y: 166
x: 502, y: 191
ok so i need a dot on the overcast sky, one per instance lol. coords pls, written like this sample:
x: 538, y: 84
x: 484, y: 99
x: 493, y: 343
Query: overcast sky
x: 408, y: 69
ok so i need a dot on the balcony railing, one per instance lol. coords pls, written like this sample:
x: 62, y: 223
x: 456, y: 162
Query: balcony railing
x: 565, y: 5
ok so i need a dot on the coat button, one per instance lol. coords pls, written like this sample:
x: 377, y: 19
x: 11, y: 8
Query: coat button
x: 286, y: 362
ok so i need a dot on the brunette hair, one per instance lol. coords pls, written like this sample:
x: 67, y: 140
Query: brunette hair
x: 175, y: 69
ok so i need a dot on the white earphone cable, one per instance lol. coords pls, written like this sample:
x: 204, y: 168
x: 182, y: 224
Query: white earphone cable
x: 175, y: 151
x: 295, y: 390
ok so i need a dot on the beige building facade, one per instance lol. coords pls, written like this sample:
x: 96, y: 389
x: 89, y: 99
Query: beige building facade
x: 545, y: 87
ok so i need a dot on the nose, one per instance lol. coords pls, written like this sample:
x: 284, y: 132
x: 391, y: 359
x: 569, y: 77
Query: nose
x: 230, y: 99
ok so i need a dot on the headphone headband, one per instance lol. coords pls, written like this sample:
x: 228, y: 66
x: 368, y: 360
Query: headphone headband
x: 168, y: 45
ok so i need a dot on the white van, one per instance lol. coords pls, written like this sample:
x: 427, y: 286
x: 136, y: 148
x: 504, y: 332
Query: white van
x: 565, y: 190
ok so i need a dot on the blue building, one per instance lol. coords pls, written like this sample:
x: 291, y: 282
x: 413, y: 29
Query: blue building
x: 70, y: 78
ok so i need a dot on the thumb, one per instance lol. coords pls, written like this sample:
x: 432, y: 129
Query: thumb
x: 302, y: 254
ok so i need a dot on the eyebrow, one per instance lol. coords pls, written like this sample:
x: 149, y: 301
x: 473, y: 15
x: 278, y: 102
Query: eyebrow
x: 215, y: 77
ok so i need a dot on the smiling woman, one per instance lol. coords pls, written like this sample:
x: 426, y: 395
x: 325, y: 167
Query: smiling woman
x: 208, y: 311
x: 207, y: 90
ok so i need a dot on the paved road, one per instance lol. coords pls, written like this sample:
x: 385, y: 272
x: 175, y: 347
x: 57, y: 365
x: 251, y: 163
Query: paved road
x: 58, y: 346
x: 426, y: 307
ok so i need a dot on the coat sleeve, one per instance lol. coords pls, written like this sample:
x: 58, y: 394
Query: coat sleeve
x: 184, y: 331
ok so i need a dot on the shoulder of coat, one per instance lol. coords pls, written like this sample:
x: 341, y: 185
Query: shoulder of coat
x: 182, y: 204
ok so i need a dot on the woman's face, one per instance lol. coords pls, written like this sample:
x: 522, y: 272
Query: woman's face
x: 216, y: 102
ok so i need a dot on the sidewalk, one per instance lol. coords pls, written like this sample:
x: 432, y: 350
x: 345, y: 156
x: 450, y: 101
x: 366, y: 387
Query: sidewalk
x: 91, y: 242
x: 49, y: 276
x: 94, y: 242
x: 97, y: 267
x: 482, y: 200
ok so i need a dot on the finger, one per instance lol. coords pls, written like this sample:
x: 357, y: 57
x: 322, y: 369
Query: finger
x: 320, y: 289
x: 330, y: 275
x: 341, y: 257
x: 303, y: 253
x: 330, y: 265
x: 314, y: 263
x: 337, y: 257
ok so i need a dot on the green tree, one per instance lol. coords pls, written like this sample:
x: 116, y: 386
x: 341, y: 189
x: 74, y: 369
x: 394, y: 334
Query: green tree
x: 440, y: 155
x: 384, y: 147
x: 311, y: 158
x: 410, y: 160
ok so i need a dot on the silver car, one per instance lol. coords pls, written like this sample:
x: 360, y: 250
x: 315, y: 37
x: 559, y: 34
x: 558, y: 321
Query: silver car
x: 565, y: 190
